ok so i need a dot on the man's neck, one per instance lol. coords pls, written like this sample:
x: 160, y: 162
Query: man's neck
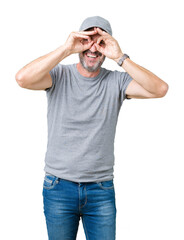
x: 85, y: 72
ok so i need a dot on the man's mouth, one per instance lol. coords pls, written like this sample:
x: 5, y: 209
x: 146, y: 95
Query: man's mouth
x: 92, y: 55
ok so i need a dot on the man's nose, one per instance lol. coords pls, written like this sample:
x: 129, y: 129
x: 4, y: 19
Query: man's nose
x: 93, y: 48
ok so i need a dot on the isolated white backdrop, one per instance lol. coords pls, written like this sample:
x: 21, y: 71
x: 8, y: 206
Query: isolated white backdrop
x: 149, y: 181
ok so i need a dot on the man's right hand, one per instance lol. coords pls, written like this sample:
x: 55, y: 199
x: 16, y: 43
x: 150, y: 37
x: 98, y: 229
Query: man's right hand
x: 79, y: 41
x: 36, y: 76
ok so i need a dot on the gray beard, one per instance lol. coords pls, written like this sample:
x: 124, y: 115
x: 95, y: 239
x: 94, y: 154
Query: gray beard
x: 93, y: 68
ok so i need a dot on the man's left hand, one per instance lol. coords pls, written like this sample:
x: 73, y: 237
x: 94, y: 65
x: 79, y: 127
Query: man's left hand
x: 108, y: 46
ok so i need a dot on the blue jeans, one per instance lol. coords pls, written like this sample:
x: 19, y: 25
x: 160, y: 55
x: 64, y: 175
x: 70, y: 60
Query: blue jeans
x: 65, y: 202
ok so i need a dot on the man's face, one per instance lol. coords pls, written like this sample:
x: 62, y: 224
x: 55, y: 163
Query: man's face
x: 91, y: 59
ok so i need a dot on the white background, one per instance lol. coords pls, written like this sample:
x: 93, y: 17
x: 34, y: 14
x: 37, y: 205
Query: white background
x: 149, y: 168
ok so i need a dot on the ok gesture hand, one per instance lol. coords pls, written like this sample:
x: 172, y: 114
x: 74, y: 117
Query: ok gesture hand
x: 79, y: 41
x: 108, y: 46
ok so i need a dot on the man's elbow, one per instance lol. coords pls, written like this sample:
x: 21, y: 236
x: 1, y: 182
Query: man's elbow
x: 20, y: 80
x: 162, y: 91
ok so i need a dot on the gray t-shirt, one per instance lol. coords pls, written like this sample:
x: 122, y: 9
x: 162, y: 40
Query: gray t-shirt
x: 82, y: 117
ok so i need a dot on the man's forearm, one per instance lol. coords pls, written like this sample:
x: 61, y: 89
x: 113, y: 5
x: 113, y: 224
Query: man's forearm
x: 144, y: 77
x: 39, y: 67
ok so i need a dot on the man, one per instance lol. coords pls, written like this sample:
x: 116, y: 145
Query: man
x: 84, y: 100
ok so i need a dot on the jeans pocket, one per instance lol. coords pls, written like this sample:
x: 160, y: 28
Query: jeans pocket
x: 106, y: 184
x: 50, y: 181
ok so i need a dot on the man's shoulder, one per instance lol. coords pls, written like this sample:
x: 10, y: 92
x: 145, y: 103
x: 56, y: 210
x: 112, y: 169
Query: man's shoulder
x: 66, y: 67
x: 112, y: 73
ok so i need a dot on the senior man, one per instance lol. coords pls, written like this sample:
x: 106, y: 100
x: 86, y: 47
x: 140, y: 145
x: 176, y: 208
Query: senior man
x: 84, y: 100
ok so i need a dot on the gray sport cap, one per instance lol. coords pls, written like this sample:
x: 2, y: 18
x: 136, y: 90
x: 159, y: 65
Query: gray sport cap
x: 96, y: 21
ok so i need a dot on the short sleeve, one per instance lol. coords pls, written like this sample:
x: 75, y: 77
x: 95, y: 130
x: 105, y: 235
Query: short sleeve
x: 55, y: 74
x: 124, y: 80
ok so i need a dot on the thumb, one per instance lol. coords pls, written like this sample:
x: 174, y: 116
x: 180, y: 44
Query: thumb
x: 88, y: 45
x: 99, y: 48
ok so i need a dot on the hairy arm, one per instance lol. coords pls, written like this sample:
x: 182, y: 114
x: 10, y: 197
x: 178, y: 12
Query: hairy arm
x: 145, y: 84
x: 36, y: 76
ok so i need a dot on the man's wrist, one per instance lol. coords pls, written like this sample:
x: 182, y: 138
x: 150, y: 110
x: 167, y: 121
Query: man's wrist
x: 64, y: 51
x: 119, y: 57
x: 122, y: 59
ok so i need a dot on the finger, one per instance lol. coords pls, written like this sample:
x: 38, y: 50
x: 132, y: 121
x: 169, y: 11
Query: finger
x: 78, y: 35
x: 88, y: 45
x: 82, y: 38
x: 89, y: 32
x: 100, y: 49
x: 99, y: 40
x: 101, y: 32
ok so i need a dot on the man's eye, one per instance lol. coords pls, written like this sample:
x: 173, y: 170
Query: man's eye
x: 102, y: 43
x: 84, y: 41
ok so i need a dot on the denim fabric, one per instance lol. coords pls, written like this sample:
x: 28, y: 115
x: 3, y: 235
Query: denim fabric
x: 65, y: 202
